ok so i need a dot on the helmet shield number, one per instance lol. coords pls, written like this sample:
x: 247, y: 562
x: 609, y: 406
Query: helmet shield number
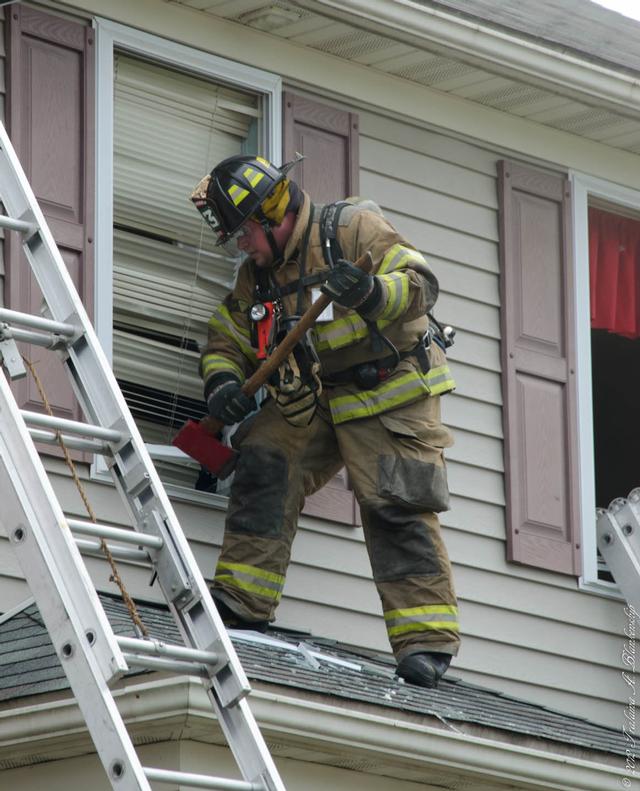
x: 201, y: 202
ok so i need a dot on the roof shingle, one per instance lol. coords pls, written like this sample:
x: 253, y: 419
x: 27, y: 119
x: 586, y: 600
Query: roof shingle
x: 29, y: 666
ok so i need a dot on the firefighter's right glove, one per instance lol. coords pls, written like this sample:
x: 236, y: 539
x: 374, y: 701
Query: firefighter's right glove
x: 296, y: 399
x: 349, y: 286
x: 227, y: 402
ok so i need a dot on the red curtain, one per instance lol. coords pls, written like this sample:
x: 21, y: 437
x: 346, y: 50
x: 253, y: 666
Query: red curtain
x: 614, y: 269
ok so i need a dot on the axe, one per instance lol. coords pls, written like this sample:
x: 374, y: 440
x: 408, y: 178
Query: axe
x: 198, y: 440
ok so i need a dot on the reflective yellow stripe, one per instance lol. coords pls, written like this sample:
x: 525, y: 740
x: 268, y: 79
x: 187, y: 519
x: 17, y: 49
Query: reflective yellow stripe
x: 391, y: 394
x: 215, y: 363
x: 253, y: 176
x: 222, y: 322
x: 342, y: 332
x: 237, y: 193
x: 421, y: 619
x: 439, y: 380
x: 397, y: 257
x: 251, y: 578
x: 397, y: 284
x: 263, y: 161
x: 425, y: 609
x: 423, y: 627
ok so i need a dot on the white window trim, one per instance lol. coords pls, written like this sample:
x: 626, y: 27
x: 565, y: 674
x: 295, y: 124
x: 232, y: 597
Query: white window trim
x: 584, y: 186
x: 111, y: 36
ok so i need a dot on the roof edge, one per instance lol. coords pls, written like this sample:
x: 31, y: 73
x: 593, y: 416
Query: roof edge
x: 54, y: 729
x: 492, y: 48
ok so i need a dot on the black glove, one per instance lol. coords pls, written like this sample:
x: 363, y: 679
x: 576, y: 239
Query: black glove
x: 347, y: 285
x: 227, y: 402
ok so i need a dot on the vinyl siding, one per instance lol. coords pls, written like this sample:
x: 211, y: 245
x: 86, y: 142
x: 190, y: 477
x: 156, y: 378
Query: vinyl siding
x: 526, y: 632
x: 3, y: 70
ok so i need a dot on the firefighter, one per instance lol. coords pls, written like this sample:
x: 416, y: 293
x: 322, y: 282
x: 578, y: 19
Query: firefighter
x: 363, y: 393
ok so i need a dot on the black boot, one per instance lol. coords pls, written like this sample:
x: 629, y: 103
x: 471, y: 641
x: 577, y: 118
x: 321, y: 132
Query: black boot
x: 424, y: 669
x: 233, y: 621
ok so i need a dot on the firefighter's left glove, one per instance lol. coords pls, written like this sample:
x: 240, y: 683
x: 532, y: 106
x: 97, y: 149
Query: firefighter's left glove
x: 227, y: 402
x: 296, y: 396
x: 349, y: 286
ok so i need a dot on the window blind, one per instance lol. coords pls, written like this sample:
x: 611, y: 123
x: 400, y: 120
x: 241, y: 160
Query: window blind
x: 170, y: 128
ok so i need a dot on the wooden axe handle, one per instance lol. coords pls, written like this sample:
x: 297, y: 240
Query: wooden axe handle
x: 286, y: 346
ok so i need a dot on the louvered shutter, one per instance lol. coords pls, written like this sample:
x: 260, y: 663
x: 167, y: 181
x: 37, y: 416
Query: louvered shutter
x: 539, y: 369
x: 328, y: 137
x: 50, y: 114
x: 170, y: 128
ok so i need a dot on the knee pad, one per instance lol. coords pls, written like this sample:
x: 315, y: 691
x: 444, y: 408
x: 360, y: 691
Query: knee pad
x: 258, y: 492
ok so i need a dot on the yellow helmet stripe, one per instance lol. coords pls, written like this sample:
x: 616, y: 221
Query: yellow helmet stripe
x: 237, y: 194
x: 253, y: 176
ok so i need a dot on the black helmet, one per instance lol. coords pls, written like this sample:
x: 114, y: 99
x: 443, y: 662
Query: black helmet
x: 234, y: 192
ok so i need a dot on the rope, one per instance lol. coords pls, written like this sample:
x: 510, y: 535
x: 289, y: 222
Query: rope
x: 115, y: 575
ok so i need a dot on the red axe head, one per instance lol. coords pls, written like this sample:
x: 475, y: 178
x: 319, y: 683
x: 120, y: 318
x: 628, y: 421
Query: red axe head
x: 196, y: 441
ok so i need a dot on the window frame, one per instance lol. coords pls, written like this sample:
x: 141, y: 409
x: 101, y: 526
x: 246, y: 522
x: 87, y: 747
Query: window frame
x: 109, y: 37
x: 585, y: 186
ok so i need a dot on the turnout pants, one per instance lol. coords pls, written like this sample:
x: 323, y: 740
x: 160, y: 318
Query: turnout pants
x: 396, y: 467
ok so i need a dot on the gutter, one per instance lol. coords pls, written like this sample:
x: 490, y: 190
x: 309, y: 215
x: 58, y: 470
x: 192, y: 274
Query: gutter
x: 54, y: 729
x: 488, y: 48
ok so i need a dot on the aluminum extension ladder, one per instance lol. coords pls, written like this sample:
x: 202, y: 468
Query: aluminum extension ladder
x: 43, y: 538
x: 618, y: 530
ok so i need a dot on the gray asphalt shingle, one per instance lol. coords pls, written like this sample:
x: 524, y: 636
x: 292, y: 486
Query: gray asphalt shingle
x: 29, y: 666
x: 577, y: 25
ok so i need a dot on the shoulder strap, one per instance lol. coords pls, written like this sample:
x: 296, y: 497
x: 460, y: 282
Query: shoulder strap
x: 329, y: 219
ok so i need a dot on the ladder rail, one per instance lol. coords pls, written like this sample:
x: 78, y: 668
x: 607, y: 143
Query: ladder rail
x: 41, y: 540
x: 37, y: 529
x: 618, y: 531
x: 140, y: 488
x: 102, y: 402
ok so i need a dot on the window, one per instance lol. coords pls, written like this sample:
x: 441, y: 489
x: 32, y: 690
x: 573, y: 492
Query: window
x: 166, y: 114
x: 614, y: 266
x: 605, y: 215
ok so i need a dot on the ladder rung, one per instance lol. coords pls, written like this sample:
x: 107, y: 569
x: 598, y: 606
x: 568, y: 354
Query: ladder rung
x: 72, y: 426
x: 89, y: 547
x: 75, y: 443
x: 200, y: 781
x: 162, y: 649
x: 37, y: 322
x: 17, y: 225
x: 115, y: 533
x: 48, y: 340
x: 169, y: 665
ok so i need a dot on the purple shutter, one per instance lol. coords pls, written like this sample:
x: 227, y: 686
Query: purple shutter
x: 328, y: 137
x: 539, y: 365
x: 50, y: 112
